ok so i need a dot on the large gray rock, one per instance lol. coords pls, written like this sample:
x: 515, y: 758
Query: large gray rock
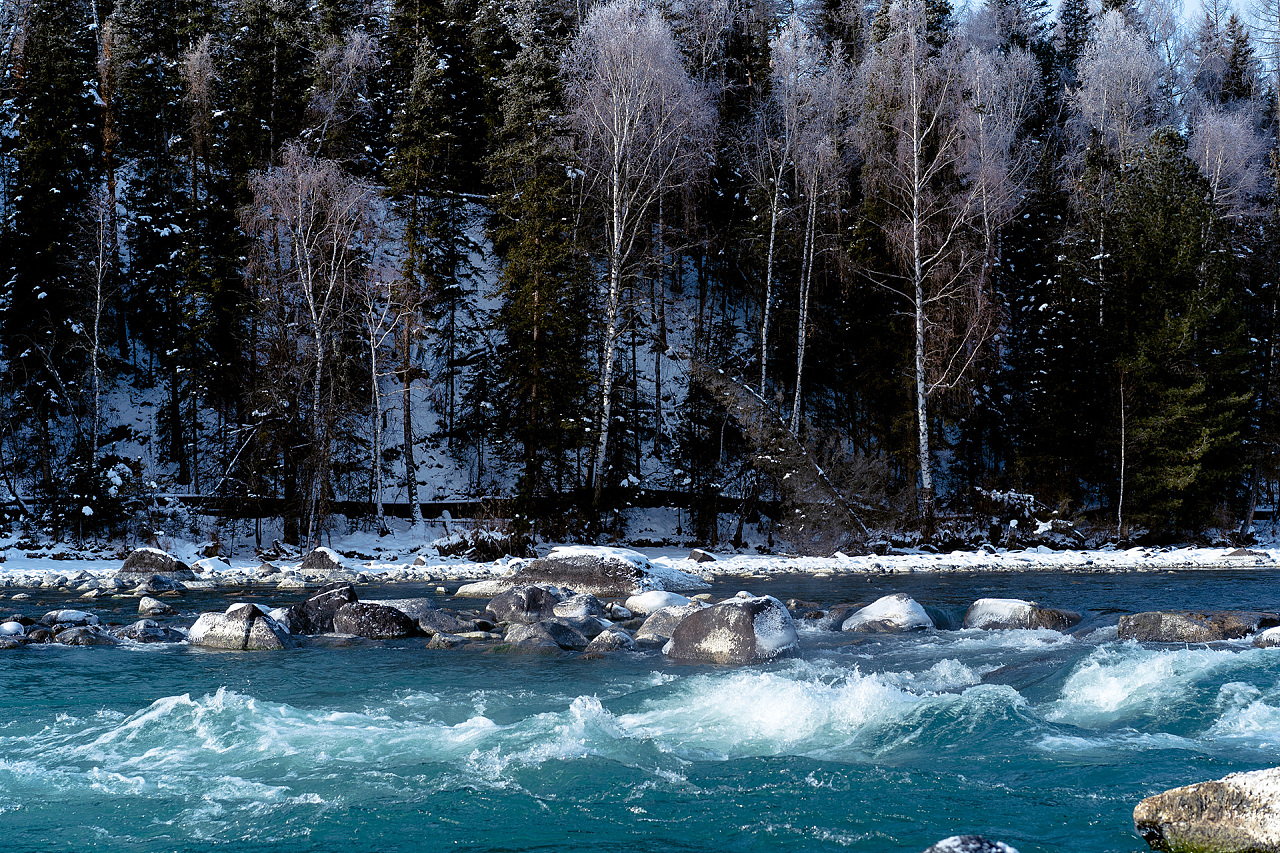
x: 1193, y: 626
x: 601, y: 572
x: 525, y: 603
x: 611, y: 640
x: 145, y: 562
x: 440, y: 622
x: 549, y: 632
x: 242, y: 627
x: 738, y: 631
x: 657, y: 629
x: 373, y: 621
x: 1239, y: 813
x: 148, y: 606
x: 69, y: 618
x: 970, y: 844
x: 889, y: 614
x: 1005, y: 613
x: 414, y: 608
x: 315, y: 615
x: 84, y: 635
x: 582, y: 605
x: 323, y: 562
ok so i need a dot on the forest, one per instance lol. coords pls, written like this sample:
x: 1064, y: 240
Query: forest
x: 835, y: 269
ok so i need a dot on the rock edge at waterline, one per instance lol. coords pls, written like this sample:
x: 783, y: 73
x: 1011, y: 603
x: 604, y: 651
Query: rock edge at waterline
x: 1239, y: 813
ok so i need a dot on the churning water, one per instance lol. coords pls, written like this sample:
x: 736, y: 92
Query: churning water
x: 890, y: 743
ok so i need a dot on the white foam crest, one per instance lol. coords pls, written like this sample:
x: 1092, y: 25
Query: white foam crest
x: 946, y: 675
x: 1120, y: 681
x: 1128, y: 740
x: 1248, y: 717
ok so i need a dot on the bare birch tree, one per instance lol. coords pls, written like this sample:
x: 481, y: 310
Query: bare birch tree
x: 1120, y: 94
x: 912, y: 138
x: 312, y: 224
x: 639, y: 119
x: 1231, y: 155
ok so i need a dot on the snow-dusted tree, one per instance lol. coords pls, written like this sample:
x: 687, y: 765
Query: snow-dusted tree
x: 912, y: 139
x: 999, y: 93
x: 312, y: 225
x: 639, y: 120
x: 1119, y: 97
x: 343, y: 71
x: 1231, y: 155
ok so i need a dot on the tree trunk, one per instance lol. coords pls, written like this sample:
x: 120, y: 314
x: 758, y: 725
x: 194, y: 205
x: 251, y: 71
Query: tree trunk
x: 610, y: 337
x: 768, y: 284
x: 806, y: 273
x: 406, y: 405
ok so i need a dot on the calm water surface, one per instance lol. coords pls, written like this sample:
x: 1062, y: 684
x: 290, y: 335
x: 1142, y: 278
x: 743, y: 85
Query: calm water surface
x: 888, y: 744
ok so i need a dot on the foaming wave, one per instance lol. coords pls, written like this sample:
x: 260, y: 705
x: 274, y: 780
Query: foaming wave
x: 1249, y: 717
x: 1118, y: 682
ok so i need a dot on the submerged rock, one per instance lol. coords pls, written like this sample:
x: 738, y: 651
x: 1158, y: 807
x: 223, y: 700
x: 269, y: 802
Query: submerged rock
x: 970, y: 844
x: 526, y: 604
x: 142, y: 563
x: 373, y: 621
x: 738, y: 631
x: 1193, y: 626
x: 1006, y: 613
x: 148, y: 631
x: 1239, y: 813
x: 242, y: 627
x: 889, y: 614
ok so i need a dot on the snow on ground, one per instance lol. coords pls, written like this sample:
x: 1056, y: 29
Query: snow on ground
x: 407, y: 558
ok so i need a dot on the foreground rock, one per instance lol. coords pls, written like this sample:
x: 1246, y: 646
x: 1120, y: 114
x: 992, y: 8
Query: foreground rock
x: 242, y: 627
x: 992, y: 614
x: 148, y: 606
x: 970, y: 844
x: 1239, y: 813
x: 611, y: 640
x: 149, y: 631
x: 890, y: 614
x: 1192, y: 626
x: 143, y: 563
x: 84, y: 635
x: 547, y: 634
x: 739, y: 631
x: 373, y: 621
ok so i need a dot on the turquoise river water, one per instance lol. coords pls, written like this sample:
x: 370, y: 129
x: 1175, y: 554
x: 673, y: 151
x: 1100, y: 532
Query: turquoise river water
x: 1043, y: 740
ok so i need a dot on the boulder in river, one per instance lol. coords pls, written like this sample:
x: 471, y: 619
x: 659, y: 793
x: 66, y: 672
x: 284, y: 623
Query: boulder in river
x: 545, y: 634
x: 439, y: 622
x: 324, y: 563
x: 1004, y: 613
x: 84, y: 635
x: 889, y: 614
x: 69, y: 618
x: 604, y: 572
x: 970, y: 844
x: 526, y: 603
x: 611, y: 640
x: 584, y: 604
x: 1239, y: 813
x: 148, y: 606
x: 1268, y: 639
x: 373, y: 621
x: 149, y: 631
x: 145, y: 562
x: 739, y: 631
x: 315, y: 615
x: 1194, y: 626
x: 657, y: 629
x: 242, y: 627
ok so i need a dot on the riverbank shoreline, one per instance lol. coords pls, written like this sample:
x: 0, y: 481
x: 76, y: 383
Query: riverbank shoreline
x: 89, y: 571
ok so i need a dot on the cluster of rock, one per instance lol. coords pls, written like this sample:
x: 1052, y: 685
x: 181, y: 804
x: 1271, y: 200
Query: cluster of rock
x: 80, y: 628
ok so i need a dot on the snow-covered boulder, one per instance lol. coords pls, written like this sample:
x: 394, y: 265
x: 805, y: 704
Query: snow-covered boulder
x: 1268, y: 639
x: 645, y: 603
x: 657, y: 629
x: 970, y: 844
x: 739, y: 631
x: 145, y: 562
x: 12, y: 629
x: 1191, y: 626
x: 373, y: 621
x: 69, y: 618
x: 1003, y: 613
x: 1239, y: 813
x: 242, y: 627
x: 889, y: 614
x: 603, y: 571
x: 324, y: 563
x: 148, y: 606
x: 526, y: 603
